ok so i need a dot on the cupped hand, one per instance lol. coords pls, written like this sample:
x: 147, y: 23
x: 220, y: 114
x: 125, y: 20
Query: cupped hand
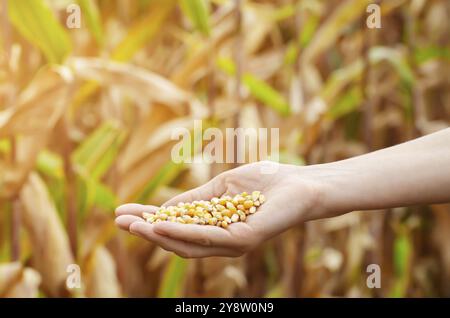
x: 292, y: 194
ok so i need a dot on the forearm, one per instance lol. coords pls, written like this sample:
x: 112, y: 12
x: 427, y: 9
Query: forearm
x: 415, y: 172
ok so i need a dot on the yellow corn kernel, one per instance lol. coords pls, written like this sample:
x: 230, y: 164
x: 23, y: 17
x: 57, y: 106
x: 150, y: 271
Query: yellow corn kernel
x: 234, y: 218
x: 248, y: 204
x: 226, y: 213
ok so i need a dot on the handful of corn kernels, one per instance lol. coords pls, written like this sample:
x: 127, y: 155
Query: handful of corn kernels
x: 218, y: 211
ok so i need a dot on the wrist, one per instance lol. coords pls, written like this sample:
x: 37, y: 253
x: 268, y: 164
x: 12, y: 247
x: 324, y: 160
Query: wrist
x: 330, y: 187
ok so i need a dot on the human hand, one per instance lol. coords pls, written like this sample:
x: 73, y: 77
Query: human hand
x: 293, y: 195
x: 383, y: 179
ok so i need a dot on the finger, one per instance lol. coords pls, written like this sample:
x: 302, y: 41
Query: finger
x: 205, y: 235
x: 213, y: 188
x: 124, y: 221
x: 135, y: 209
x: 181, y: 248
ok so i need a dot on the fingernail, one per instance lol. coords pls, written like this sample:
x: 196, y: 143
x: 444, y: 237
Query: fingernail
x: 131, y: 226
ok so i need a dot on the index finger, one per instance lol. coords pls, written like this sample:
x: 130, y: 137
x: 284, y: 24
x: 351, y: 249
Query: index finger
x: 135, y: 209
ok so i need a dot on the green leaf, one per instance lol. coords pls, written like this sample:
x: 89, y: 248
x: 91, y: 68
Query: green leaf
x: 36, y: 22
x: 5, y: 145
x: 291, y: 54
x: 93, y: 20
x: 97, y: 152
x: 173, y: 278
x: 50, y: 164
x: 198, y: 13
x: 165, y: 176
x: 57, y: 189
x: 171, y: 170
x: 424, y: 54
x: 92, y: 193
x: 104, y: 197
x: 346, y: 103
x: 402, y: 251
x: 226, y: 65
x: 91, y: 160
x: 259, y: 89
x: 283, y: 12
x: 143, y: 30
x: 266, y: 94
x: 309, y: 29
x: 402, y: 257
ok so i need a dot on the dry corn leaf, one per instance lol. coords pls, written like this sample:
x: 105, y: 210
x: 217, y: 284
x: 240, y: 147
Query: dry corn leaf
x: 134, y: 180
x: 17, y: 281
x: 315, y: 51
x: 150, y: 135
x: 50, y: 246
x: 143, y: 30
x: 39, y: 106
x: 32, y: 117
x: 102, y: 280
x: 134, y: 80
x: 345, y: 14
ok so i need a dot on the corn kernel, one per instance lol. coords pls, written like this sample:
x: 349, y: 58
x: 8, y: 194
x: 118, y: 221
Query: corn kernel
x: 226, y: 212
x: 248, y: 204
x: 262, y: 199
x: 146, y: 215
x: 212, y: 221
x: 229, y: 205
x: 217, y: 212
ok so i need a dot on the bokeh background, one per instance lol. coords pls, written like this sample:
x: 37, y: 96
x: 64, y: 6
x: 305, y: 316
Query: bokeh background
x: 86, y: 117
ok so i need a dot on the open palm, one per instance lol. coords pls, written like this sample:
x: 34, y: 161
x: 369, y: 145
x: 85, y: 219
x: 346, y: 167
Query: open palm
x: 290, y: 198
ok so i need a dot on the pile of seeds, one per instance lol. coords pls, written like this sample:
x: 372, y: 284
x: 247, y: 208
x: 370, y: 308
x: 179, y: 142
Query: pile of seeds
x: 218, y: 211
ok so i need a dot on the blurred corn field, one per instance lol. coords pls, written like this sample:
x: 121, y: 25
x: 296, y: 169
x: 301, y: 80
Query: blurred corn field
x: 86, y: 116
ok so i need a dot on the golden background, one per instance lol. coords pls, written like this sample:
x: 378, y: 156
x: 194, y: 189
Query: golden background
x: 86, y: 117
